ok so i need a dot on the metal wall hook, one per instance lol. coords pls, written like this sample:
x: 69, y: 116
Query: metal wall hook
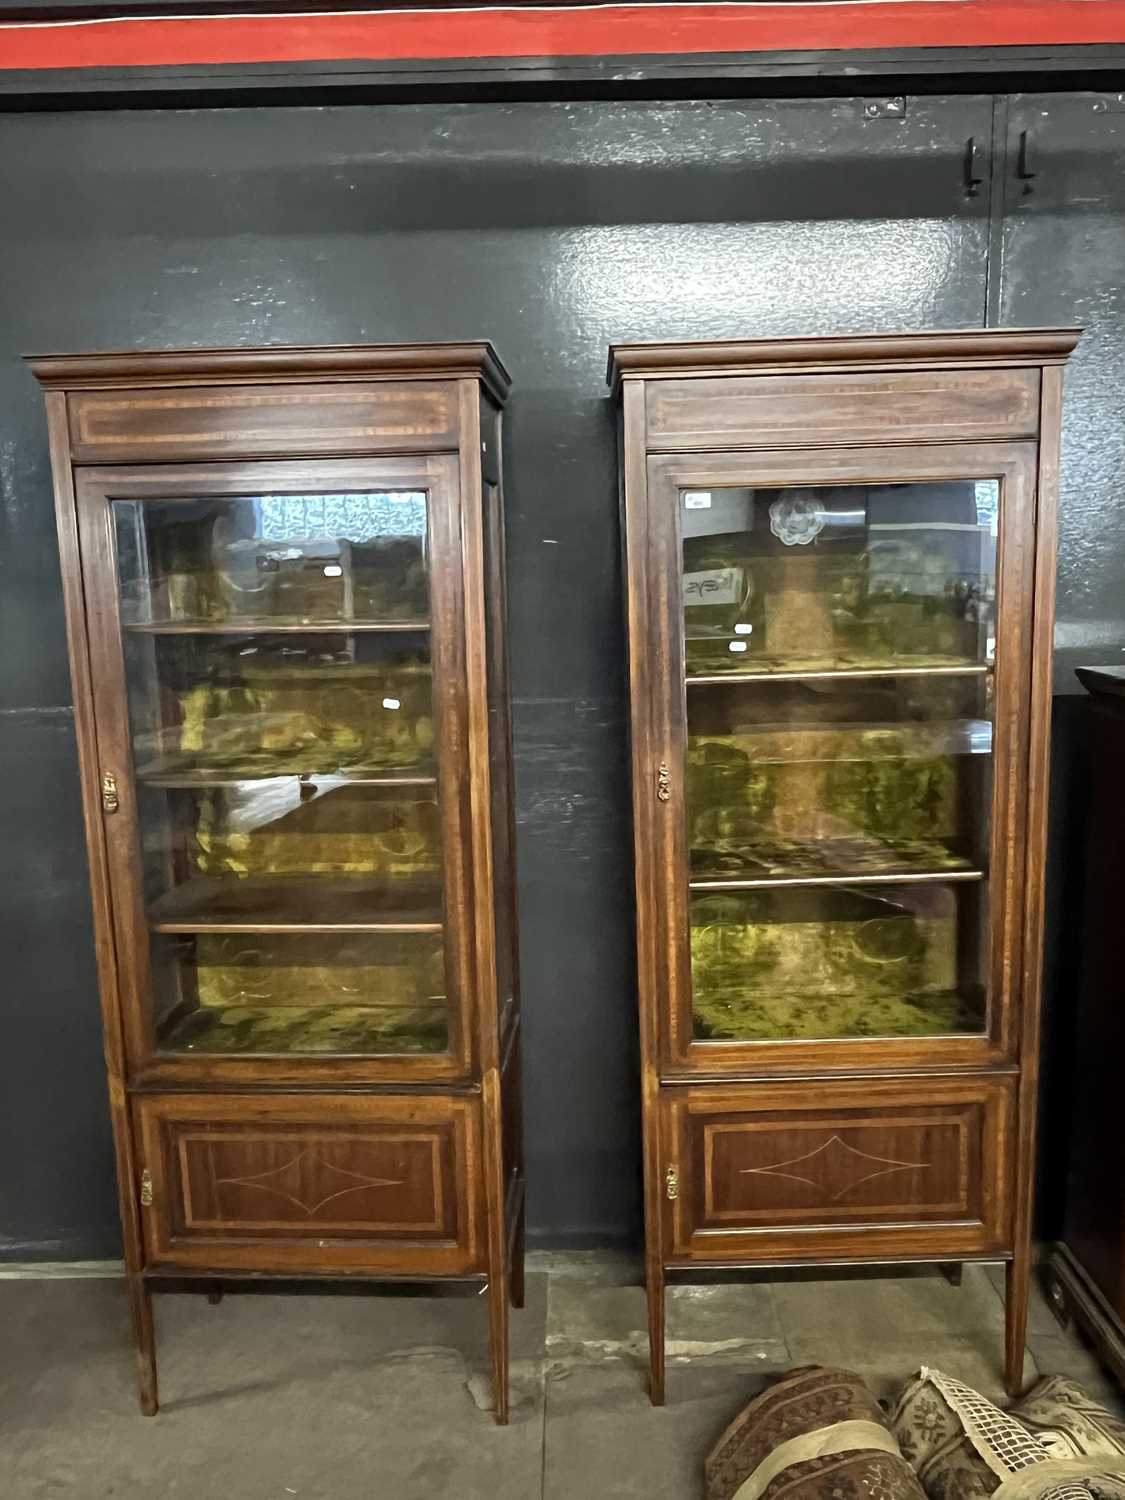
x: 1025, y: 171
x: 973, y: 174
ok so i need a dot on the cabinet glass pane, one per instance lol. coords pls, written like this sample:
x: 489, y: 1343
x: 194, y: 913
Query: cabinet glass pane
x: 838, y: 961
x: 839, y: 649
x: 280, y: 699
x: 854, y: 576
x: 287, y: 559
x: 208, y: 706
x: 872, y: 776
x: 300, y: 992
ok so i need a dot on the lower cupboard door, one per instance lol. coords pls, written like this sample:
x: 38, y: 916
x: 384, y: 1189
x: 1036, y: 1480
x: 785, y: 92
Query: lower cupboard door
x: 843, y: 1170
x: 310, y: 1184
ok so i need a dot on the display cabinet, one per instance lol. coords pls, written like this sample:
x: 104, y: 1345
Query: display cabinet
x: 284, y: 581
x: 839, y: 559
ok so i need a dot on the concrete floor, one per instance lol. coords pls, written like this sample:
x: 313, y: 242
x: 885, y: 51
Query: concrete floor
x: 343, y: 1397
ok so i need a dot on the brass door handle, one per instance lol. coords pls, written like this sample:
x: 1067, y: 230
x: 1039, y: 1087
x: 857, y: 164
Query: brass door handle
x: 663, y: 782
x: 110, y: 800
x: 672, y: 1183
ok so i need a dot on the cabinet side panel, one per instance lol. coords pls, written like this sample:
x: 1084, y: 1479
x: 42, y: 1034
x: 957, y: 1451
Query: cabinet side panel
x: 511, y: 1103
x: 502, y: 775
x: 502, y: 797
x: 1039, y: 765
x: 642, y: 686
x: 82, y: 688
x: 483, y: 915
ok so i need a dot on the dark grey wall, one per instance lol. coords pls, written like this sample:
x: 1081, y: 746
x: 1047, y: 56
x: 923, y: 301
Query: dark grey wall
x: 1063, y: 249
x: 552, y: 229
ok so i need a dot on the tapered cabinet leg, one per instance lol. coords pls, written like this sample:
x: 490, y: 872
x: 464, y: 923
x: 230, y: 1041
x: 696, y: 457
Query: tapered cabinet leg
x: 519, y: 1247
x: 498, y: 1294
x: 1017, y: 1289
x: 953, y: 1271
x: 215, y: 1296
x: 655, y: 1288
x: 144, y: 1337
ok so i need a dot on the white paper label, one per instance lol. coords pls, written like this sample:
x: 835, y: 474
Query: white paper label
x: 715, y: 586
x: 697, y: 499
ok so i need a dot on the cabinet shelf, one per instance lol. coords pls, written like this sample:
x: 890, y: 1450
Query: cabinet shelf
x: 799, y: 674
x: 354, y: 1030
x: 797, y: 743
x: 173, y: 775
x: 895, y: 877
x: 278, y: 627
x: 285, y: 903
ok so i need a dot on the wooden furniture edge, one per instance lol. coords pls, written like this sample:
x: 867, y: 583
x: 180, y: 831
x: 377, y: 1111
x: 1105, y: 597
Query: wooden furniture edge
x: 635, y: 573
x: 1030, y: 983
x: 1073, y: 1293
x: 279, y: 362
x: 814, y: 354
x: 479, y: 792
x: 89, y: 767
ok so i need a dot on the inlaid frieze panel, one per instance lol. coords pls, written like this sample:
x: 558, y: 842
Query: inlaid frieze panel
x: 348, y: 1179
x: 859, y: 1163
x: 341, y: 1180
x: 798, y: 411
x: 838, y: 1166
x: 255, y: 421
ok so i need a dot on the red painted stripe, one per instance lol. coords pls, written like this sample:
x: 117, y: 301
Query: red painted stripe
x: 630, y: 30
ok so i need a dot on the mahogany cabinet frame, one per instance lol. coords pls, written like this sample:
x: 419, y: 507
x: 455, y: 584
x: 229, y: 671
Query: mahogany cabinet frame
x: 287, y: 419
x: 823, y: 411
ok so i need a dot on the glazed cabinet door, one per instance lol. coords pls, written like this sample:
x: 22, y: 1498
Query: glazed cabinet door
x: 839, y: 744
x: 279, y: 679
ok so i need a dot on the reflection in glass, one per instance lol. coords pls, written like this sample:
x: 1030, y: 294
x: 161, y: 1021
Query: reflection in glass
x: 838, y: 961
x: 280, y: 697
x: 260, y: 705
x: 286, y: 838
x: 814, y: 777
x: 281, y: 558
x: 851, y: 576
x: 306, y: 992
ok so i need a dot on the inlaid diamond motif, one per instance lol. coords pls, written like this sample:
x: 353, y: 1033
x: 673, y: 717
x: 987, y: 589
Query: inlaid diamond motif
x: 292, y: 1181
x: 835, y: 1168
